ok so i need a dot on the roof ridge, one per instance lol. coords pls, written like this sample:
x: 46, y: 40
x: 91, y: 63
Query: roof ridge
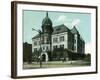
x: 74, y: 30
x: 58, y: 25
x: 36, y: 36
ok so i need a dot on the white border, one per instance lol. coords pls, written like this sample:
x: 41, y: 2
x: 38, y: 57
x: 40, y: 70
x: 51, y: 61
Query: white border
x: 21, y: 72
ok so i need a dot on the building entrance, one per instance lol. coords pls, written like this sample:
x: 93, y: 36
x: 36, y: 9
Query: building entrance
x: 44, y: 56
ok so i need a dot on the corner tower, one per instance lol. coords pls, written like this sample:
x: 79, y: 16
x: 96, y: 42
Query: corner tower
x: 47, y: 30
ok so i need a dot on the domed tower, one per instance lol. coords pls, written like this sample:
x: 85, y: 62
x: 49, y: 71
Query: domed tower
x: 47, y: 24
x: 47, y: 30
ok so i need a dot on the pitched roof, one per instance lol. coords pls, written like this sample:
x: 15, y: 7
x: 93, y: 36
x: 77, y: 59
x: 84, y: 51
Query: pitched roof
x: 59, y: 29
x: 82, y: 39
x: 37, y: 36
x: 74, y: 30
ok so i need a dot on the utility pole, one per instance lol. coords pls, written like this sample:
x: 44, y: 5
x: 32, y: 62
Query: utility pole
x: 40, y: 50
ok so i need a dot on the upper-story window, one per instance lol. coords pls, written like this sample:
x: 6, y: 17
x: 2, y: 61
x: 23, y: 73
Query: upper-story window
x: 74, y: 40
x: 35, y: 49
x: 43, y: 48
x: 55, y: 40
x: 61, y: 38
x: 47, y: 48
x: 41, y: 40
x: 35, y: 43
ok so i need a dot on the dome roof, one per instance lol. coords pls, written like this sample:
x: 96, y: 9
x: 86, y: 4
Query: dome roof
x: 46, y: 20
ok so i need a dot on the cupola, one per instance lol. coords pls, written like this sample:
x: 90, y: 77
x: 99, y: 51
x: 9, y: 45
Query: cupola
x: 47, y: 24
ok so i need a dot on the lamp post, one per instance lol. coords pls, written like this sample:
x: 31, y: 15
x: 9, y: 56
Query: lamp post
x: 39, y: 31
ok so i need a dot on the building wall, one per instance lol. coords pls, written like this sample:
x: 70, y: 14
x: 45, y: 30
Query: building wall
x: 80, y: 44
x: 76, y: 43
x: 58, y: 43
x: 71, y: 42
x: 44, y: 46
x: 37, y: 40
x: 83, y: 47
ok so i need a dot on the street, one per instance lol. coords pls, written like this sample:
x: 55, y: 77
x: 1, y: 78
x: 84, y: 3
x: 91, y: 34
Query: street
x: 56, y: 64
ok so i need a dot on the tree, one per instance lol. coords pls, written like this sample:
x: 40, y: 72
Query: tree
x: 27, y: 52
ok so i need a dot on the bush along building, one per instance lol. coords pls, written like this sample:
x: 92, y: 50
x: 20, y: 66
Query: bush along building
x: 57, y: 43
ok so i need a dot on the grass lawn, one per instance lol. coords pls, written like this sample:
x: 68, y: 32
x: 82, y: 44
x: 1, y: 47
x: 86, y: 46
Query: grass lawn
x: 55, y: 64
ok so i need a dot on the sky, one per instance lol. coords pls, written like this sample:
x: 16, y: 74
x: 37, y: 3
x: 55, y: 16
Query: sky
x: 33, y: 19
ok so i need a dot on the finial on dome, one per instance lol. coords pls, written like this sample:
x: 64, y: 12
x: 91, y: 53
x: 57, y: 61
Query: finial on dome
x: 47, y: 14
x: 74, y: 26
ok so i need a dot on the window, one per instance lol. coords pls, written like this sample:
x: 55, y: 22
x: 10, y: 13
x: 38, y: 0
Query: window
x: 75, y: 41
x: 48, y: 41
x: 55, y: 47
x: 55, y: 40
x: 47, y: 48
x: 72, y: 47
x: 43, y: 48
x: 62, y: 46
x: 35, y: 49
x: 58, y: 29
x: 61, y: 38
x: 35, y: 43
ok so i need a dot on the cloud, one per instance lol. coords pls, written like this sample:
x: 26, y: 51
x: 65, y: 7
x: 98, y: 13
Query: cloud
x: 75, y: 22
x: 61, y: 18
x: 88, y: 48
